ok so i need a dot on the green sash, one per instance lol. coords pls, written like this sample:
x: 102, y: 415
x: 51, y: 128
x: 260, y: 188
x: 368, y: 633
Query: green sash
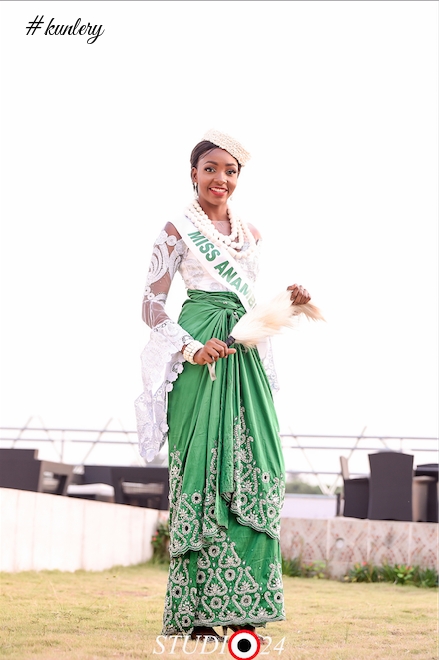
x: 218, y: 262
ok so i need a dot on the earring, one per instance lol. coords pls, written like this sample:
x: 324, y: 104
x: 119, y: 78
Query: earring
x: 195, y: 186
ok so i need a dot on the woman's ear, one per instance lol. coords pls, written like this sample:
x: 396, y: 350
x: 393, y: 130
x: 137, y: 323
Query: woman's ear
x: 194, y: 175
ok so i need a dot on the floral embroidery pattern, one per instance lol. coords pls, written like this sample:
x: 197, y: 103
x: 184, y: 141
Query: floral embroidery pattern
x: 258, y: 496
x: 224, y: 589
x: 163, y: 262
x: 256, y: 501
x: 220, y: 595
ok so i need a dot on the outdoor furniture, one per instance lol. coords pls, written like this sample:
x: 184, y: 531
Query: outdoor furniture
x: 98, y: 492
x: 95, y: 483
x: 19, y: 454
x: 430, y: 470
x: 21, y: 469
x: 97, y: 474
x: 141, y: 486
x: 420, y: 494
x: 135, y: 485
x: 394, y: 492
x: 356, y: 493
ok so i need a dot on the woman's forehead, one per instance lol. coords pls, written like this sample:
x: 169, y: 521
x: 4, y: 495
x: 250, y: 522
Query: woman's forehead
x: 219, y: 156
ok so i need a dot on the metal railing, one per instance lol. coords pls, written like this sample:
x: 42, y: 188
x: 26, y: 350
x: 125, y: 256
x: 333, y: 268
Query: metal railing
x: 352, y: 447
x: 79, y: 446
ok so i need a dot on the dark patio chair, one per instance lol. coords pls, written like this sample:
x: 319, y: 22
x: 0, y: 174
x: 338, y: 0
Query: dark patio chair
x: 141, y: 486
x: 21, y: 469
x: 395, y: 493
x: 430, y: 470
x: 356, y: 493
x: 18, y: 454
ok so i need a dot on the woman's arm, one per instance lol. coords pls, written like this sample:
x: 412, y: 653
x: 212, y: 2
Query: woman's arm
x: 166, y: 257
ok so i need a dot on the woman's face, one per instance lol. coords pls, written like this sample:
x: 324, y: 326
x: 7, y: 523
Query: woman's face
x: 216, y: 176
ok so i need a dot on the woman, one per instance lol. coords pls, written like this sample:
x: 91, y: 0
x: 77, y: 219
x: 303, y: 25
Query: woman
x: 225, y: 458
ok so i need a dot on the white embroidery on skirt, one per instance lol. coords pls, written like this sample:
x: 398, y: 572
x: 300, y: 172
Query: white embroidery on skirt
x: 253, y: 504
x: 223, y: 590
x: 218, y: 597
x: 256, y: 501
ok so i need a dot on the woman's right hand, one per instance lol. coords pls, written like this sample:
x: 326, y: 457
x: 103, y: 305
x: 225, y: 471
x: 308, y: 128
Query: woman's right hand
x: 212, y: 351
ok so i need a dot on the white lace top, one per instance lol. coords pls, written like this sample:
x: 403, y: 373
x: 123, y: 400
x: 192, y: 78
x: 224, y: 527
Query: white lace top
x: 162, y: 359
x: 170, y: 254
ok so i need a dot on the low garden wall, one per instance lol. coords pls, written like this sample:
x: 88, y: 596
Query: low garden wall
x: 342, y: 542
x: 39, y: 531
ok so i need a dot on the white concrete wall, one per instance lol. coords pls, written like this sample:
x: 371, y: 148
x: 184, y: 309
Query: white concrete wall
x: 39, y: 531
x: 309, y: 506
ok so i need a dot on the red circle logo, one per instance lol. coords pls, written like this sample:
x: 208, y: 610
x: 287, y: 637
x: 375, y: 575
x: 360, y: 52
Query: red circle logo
x: 244, y: 645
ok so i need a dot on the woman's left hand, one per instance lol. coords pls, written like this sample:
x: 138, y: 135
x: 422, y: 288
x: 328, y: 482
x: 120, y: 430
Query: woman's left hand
x: 299, y: 295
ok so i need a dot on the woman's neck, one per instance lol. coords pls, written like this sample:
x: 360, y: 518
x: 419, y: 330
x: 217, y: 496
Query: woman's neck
x: 214, y: 212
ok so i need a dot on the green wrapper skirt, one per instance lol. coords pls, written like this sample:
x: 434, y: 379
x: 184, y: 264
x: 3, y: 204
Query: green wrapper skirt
x: 227, y: 484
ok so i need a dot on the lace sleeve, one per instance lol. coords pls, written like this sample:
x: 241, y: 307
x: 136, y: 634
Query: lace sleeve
x: 162, y: 359
x: 166, y: 258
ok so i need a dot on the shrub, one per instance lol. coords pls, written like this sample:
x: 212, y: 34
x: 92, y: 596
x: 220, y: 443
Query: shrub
x: 160, y: 544
x: 397, y: 574
x: 315, y: 569
x: 292, y: 567
x: 425, y: 577
x: 363, y: 572
x: 297, y: 568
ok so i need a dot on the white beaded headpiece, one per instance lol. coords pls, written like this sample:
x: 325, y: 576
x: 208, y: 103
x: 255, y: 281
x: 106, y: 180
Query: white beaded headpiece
x: 228, y: 143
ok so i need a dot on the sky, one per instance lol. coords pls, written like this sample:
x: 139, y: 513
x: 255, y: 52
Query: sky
x: 337, y: 103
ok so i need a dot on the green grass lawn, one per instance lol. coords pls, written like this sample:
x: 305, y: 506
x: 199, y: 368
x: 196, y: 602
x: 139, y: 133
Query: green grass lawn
x: 117, y: 614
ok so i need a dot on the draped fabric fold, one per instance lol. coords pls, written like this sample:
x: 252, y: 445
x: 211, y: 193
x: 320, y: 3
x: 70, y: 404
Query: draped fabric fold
x: 226, y: 482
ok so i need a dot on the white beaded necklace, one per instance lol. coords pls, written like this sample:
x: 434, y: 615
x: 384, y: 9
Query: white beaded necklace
x: 239, y: 232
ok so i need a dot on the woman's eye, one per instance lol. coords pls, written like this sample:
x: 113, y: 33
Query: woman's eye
x: 209, y: 169
x: 230, y: 172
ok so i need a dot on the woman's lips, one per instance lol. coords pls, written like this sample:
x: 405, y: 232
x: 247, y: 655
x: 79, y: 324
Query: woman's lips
x: 218, y: 191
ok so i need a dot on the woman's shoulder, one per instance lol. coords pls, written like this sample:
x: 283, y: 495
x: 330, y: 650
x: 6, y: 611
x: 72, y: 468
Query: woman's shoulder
x: 256, y: 233
x: 171, y: 230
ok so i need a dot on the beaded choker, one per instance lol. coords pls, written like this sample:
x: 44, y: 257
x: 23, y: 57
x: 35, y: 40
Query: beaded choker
x: 239, y: 233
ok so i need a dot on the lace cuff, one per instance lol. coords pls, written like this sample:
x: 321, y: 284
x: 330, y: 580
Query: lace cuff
x: 160, y: 364
x: 174, y: 333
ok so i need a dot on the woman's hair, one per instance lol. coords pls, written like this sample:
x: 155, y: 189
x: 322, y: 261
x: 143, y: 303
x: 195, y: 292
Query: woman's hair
x: 201, y: 149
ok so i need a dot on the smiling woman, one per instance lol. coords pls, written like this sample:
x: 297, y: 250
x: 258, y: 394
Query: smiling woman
x: 225, y: 458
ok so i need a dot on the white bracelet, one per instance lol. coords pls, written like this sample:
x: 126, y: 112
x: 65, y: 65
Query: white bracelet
x: 190, y: 350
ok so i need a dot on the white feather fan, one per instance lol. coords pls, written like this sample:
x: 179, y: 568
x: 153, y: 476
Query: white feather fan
x: 268, y: 319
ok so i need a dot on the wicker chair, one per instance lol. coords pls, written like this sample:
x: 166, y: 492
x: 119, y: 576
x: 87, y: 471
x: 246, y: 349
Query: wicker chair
x: 356, y: 493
